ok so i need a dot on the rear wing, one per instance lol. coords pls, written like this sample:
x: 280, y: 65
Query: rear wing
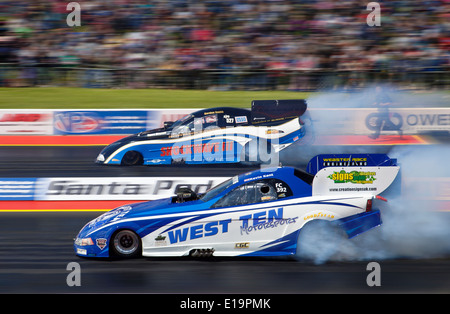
x: 352, y: 173
x: 276, y: 111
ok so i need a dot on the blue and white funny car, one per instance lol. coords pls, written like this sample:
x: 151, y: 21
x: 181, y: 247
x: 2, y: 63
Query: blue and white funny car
x: 259, y: 213
x: 214, y: 136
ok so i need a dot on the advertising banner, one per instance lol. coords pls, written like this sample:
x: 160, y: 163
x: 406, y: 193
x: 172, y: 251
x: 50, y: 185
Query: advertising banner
x: 325, y: 121
x: 402, y: 120
x: 123, y: 188
x: 20, y: 189
x: 99, y: 122
x: 26, y: 122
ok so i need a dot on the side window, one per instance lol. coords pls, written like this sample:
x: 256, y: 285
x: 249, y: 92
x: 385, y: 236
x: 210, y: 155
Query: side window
x: 255, y: 192
x: 198, y: 125
x: 244, y: 194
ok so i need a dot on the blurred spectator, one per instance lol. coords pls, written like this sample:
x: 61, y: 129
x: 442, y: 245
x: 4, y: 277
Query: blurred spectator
x: 273, y: 35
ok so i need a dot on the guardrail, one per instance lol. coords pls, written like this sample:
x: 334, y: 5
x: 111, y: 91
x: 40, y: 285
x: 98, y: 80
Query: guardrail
x: 13, y: 75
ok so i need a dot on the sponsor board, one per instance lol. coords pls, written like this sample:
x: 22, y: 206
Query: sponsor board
x: 26, y: 122
x: 113, y: 121
x: 100, y: 122
x: 85, y: 122
x: 124, y: 188
x: 19, y: 189
x: 402, y: 120
x: 325, y: 121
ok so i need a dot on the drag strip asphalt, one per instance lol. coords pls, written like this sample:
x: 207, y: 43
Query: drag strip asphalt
x: 38, y: 247
x: 72, y: 161
x: 79, y: 161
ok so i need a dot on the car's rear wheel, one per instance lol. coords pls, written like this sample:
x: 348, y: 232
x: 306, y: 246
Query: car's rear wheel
x: 126, y: 243
x: 132, y: 158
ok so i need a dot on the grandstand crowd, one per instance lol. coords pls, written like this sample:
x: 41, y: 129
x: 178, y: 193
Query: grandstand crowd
x: 228, y: 34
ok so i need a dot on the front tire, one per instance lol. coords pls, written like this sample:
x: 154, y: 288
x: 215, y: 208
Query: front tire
x: 126, y: 244
x: 132, y: 158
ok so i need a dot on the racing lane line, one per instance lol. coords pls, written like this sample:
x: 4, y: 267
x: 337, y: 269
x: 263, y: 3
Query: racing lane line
x: 357, y: 140
x: 61, y: 206
x: 103, y: 140
x: 59, y: 140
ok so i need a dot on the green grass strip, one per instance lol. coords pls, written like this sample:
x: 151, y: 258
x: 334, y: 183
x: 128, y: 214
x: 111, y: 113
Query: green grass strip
x: 85, y: 98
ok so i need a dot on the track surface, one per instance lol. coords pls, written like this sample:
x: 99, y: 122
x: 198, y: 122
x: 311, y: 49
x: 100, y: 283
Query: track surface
x: 35, y: 162
x: 78, y: 161
x: 37, y: 247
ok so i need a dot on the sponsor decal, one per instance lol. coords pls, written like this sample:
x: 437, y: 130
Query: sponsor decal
x: 241, y: 119
x: 199, y: 231
x: 212, y: 112
x: 258, y: 177
x: 264, y: 220
x: 274, y: 131
x: 243, y: 245
x: 319, y: 215
x: 344, y: 161
x: 101, y: 243
x: 160, y: 241
x: 357, y: 177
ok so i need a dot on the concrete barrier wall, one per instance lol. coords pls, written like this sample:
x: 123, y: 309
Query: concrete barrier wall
x: 343, y: 121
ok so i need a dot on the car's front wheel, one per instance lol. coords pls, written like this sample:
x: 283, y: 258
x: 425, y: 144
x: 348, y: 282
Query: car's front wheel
x: 132, y: 158
x: 126, y: 243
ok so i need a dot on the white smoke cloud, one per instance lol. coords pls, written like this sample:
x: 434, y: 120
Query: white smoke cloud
x: 416, y: 220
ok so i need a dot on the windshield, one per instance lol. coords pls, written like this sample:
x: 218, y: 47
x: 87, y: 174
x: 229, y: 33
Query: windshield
x: 181, y: 121
x: 210, y: 194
